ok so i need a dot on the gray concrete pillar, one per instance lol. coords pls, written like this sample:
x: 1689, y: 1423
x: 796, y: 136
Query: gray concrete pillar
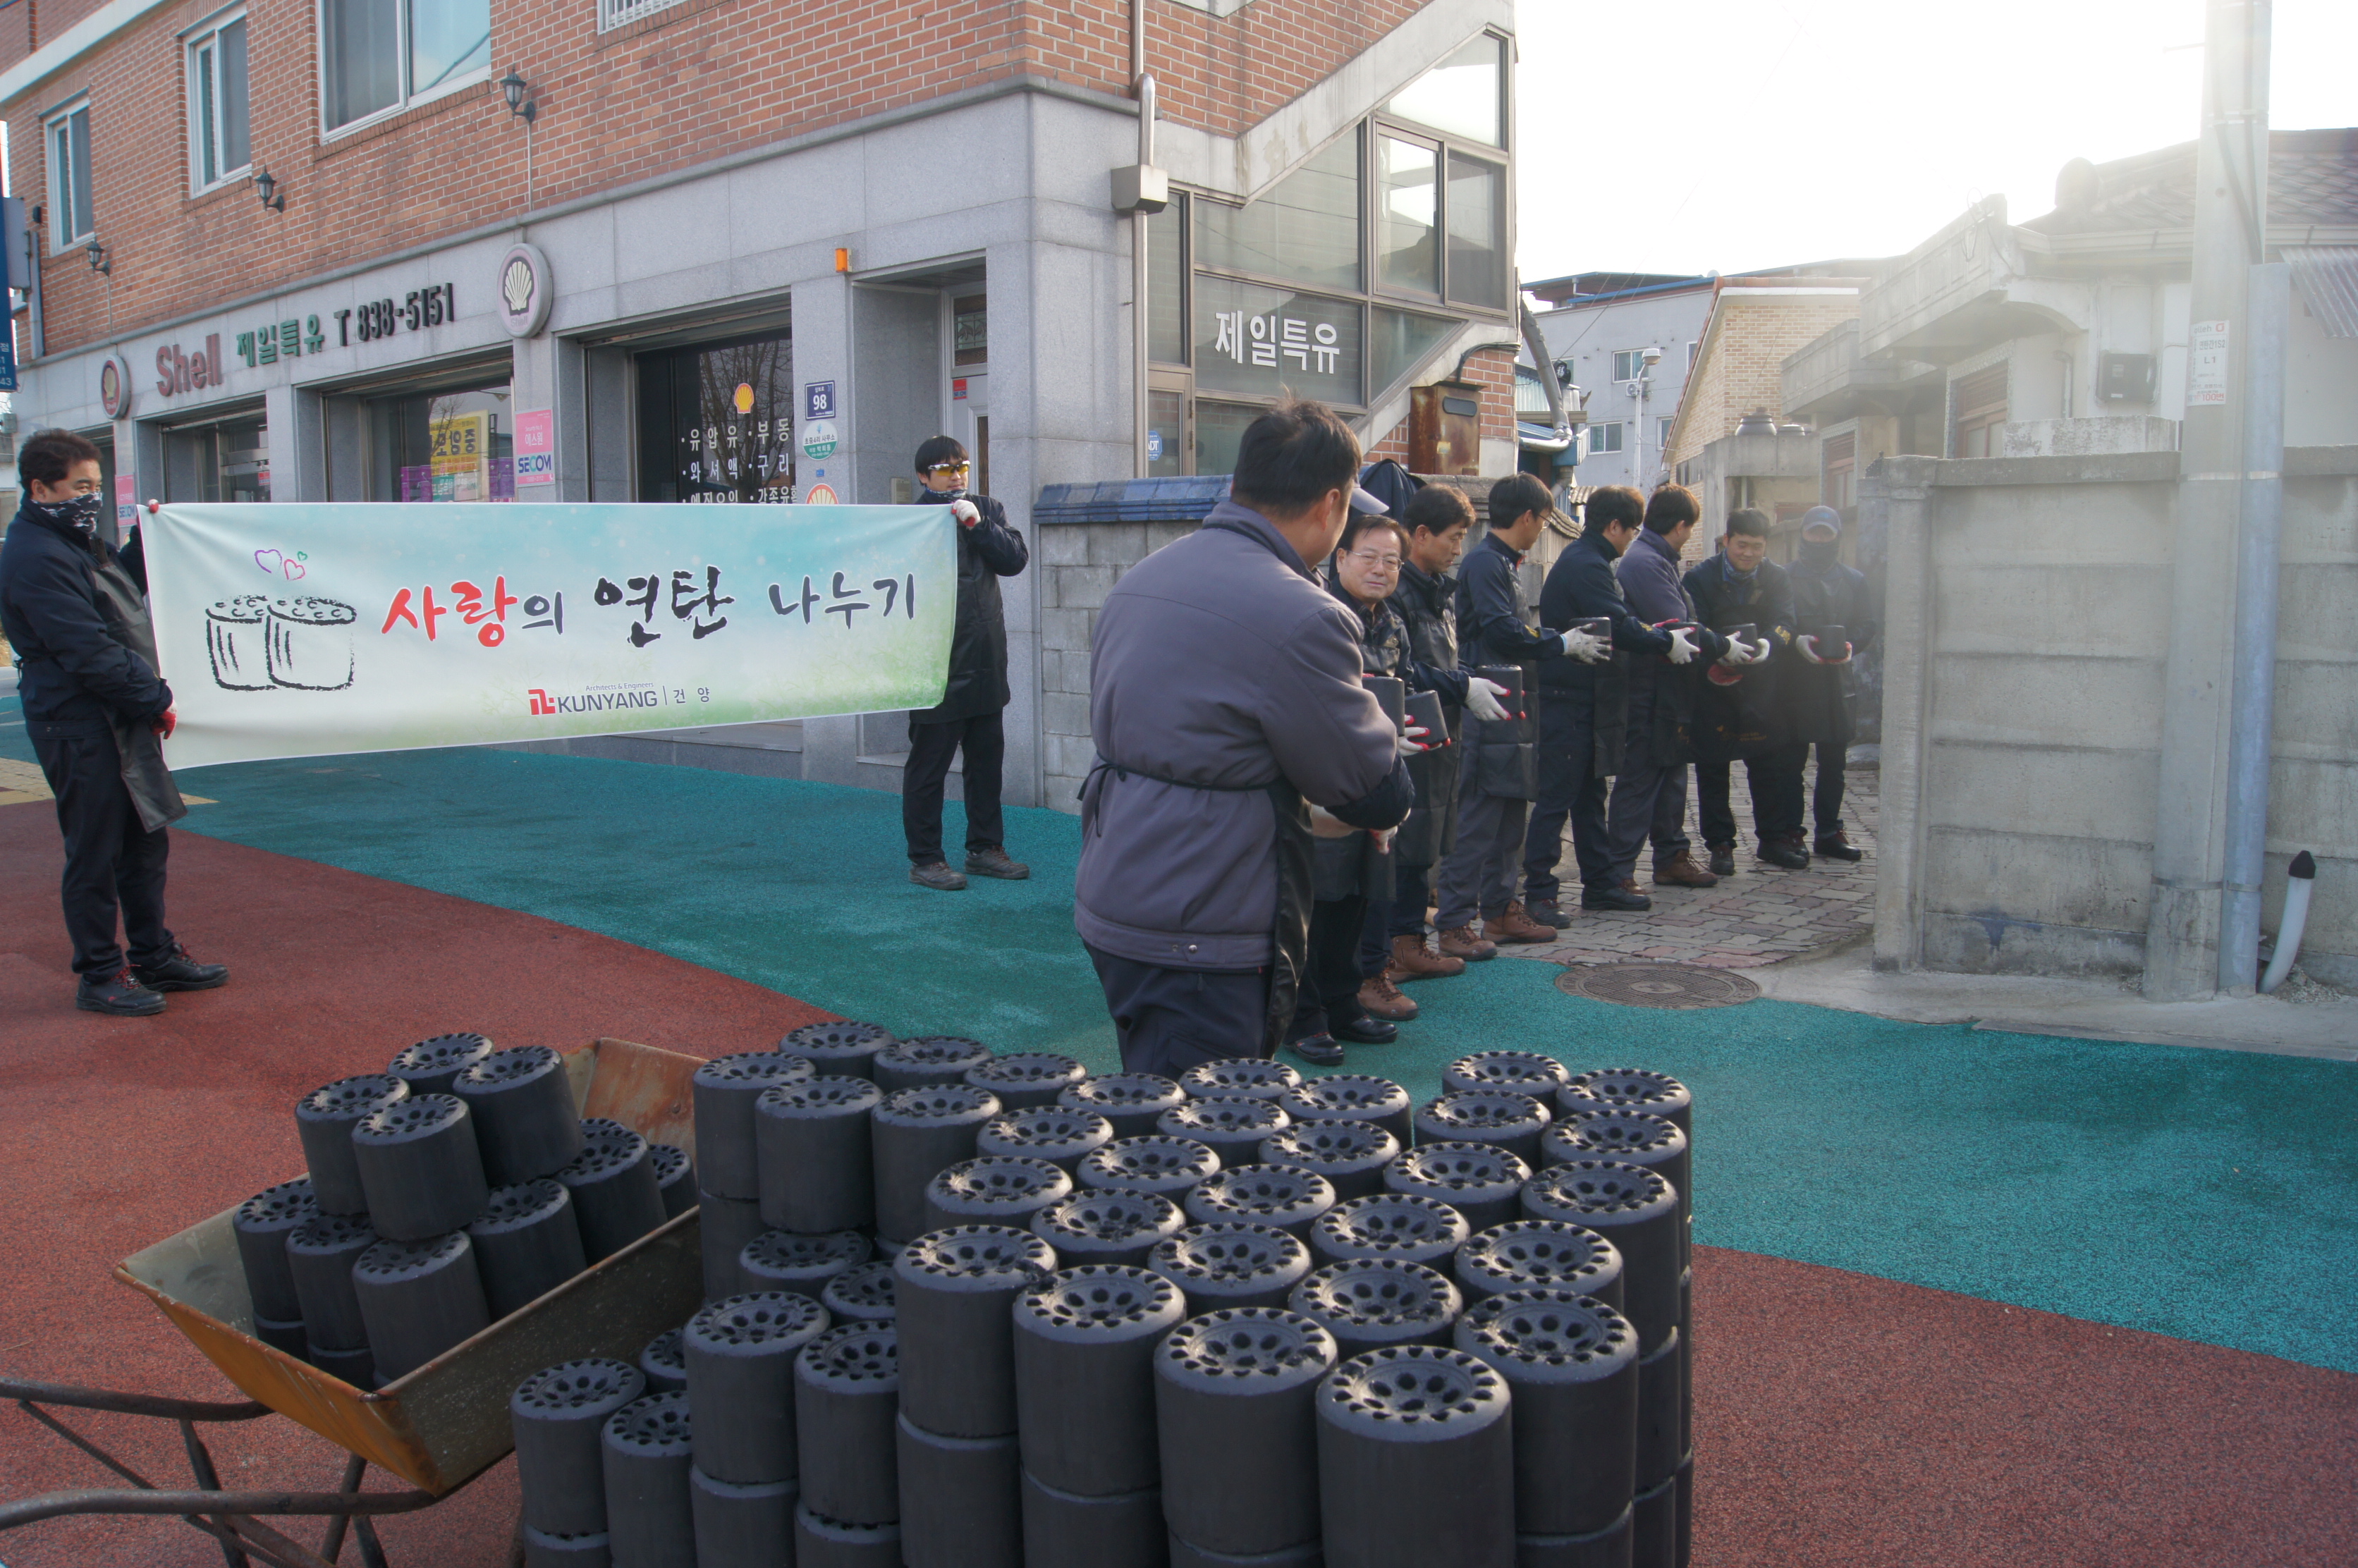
x: 1896, y: 500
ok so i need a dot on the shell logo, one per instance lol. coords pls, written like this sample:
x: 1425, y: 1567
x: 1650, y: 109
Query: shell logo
x: 744, y: 397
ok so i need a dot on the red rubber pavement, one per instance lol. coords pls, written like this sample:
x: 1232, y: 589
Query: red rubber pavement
x: 115, y: 1133
x: 1847, y: 1420
x: 1841, y: 1420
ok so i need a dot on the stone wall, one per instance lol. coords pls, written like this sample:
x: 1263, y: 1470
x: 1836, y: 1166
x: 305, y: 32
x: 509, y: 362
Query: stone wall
x: 2028, y: 605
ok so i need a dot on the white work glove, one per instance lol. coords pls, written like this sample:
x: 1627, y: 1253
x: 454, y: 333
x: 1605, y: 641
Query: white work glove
x: 1809, y: 647
x: 1384, y: 836
x: 1410, y: 740
x: 1585, y: 646
x: 1683, y: 648
x: 1737, y: 656
x: 1482, y: 699
x: 1760, y: 652
x: 967, y: 513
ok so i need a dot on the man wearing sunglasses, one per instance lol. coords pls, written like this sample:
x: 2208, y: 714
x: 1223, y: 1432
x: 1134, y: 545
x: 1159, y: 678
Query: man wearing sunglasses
x: 967, y: 718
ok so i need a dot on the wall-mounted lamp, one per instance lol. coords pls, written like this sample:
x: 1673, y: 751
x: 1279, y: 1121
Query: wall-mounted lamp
x: 99, y: 262
x: 267, y: 183
x: 513, y: 86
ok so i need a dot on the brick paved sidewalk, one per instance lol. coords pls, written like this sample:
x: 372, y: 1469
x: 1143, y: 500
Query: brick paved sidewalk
x: 1758, y: 915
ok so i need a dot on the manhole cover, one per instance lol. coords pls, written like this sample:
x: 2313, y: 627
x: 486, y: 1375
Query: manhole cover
x: 1682, y: 986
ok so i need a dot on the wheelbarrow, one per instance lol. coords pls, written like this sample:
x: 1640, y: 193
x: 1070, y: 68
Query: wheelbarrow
x: 436, y: 1427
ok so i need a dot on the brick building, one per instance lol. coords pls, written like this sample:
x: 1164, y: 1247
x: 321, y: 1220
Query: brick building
x: 742, y: 250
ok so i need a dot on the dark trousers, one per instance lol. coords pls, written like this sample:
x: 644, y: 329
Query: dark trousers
x: 1570, y: 787
x: 113, y: 864
x: 1650, y: 797
x: 1411, y: 897
x: 1330, y: 980
x: 1168, y: 1021
x: 1776, y: 784
x: 1826, y: 795
x: 931, y: 746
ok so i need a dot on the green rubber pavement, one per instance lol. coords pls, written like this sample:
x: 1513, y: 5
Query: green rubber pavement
x: 2208, y: 1195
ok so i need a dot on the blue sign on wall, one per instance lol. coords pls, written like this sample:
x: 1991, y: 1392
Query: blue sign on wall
x: 818, y: 400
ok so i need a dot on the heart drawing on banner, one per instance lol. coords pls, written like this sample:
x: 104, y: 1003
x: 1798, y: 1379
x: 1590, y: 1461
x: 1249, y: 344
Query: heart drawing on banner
x: 268, y: 560
x: 295, y: 570
x: 276, y: 562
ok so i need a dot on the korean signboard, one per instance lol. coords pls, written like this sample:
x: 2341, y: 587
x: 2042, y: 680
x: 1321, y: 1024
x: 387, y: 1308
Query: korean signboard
x: 1260, y: 340
x: 300, y: 630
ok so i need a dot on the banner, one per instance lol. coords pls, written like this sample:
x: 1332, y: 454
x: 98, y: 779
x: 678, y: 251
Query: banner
x: 294, y: 630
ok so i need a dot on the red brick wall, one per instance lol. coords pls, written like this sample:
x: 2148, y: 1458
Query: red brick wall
x: 681, y: 87
x: 1495, y: 373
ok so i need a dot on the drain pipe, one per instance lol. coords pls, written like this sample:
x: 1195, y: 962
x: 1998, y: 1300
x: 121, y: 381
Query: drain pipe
x: 2300, y: 878
x: 2251, y: 721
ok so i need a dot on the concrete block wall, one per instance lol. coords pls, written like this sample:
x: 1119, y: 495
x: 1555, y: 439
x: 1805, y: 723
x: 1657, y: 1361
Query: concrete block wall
x: 1078, y: 564
x: 2028, y: 612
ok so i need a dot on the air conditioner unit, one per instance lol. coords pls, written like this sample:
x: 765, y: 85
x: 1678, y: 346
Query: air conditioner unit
x: 2124, y: 378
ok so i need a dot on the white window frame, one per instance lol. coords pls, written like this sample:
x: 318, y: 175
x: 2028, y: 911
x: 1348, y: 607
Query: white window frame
x: 401, y: 105
x: 56, y: 121
x: 208, y: 32
x: 1634, y: 357
x: 612, y: 14
x: 1598, y: 429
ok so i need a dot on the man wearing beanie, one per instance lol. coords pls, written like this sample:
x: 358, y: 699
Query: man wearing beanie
x: 1827, y: 595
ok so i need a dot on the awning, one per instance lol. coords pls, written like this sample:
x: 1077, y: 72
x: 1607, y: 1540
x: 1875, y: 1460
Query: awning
x: 2327, y: 276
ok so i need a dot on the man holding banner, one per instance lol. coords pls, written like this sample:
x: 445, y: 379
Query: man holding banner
x: 96, y: 711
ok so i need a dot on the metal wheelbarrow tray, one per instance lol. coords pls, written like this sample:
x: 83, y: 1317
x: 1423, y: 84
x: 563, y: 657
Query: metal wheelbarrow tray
x: 438, y: 1426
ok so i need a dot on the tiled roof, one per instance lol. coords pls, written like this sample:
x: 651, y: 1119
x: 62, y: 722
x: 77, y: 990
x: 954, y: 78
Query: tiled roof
x: 2313, y: 179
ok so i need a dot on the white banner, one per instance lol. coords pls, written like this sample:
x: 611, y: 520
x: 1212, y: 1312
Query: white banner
x: 300, y: 630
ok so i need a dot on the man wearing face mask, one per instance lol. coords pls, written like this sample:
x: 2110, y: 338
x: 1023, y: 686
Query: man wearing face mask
x: 1827, y: 594
x: 96, y: 712
x: 1737, y: 713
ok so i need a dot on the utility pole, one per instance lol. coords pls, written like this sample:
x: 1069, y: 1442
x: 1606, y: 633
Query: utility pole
x: 2182, y: 932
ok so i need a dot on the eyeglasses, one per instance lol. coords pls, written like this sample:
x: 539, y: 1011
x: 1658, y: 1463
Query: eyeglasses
x: 949, y: 468
x: 1382, y: 563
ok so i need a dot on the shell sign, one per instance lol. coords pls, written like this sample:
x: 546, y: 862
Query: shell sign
x: 524, y: 290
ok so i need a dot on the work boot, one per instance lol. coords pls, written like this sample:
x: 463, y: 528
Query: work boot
x: 1722, y: 859
x: 1318, y: 1050
x: 1625, y: 897
x: 1834, y: 846
x: 1383, y: 1000
x: 179, y: 972
x: 118, y: 995
x: 1466, y: 943
x: 1412, y: 960
x: 938, y: 875
x: 993, y: 862
x: 1366, y: 1031
x: 1682, y: 873
x: 1546, y: 912
x: 1785, y: 851
x: 1513, y: 926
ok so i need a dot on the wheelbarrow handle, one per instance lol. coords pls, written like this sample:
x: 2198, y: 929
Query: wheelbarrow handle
x: 109, y: 1501
x: 76, y: 1397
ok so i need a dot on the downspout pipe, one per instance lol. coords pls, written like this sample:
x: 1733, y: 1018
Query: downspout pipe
x: 2251, y: 720
x: 1535, y: 343
x: 1141, y: 346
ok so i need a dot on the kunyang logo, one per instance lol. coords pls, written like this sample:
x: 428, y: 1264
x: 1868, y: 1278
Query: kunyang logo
x: 606, y: 700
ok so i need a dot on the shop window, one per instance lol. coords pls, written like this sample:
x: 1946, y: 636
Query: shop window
x: 1166, y: 283
x: 452, y: 445
x: 219, y: 133
x: 1398, y: 340
x: 377, y: 56
x: 1407, y: 211
x: 1220, y: 432
x: 229, y: 460
x: 1978, y: 416
x: 1167, y: 432
x: 69, y: 139
x: 1604, y: 437
x: 1477, y: 232
x: 970, y: 329
x: 716, y: 422
x: 1464, y: 95
x: 1265, y: 341
x: 1306, y: 229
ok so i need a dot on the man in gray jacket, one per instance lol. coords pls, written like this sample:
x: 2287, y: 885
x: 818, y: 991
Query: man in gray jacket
x: 1225, y: 694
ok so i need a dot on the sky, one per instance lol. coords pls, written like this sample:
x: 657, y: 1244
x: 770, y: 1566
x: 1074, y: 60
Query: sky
x: 1698, y: 136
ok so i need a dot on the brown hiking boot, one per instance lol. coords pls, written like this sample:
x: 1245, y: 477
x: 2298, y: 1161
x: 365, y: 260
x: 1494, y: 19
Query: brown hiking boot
x: 1466, y: 944
x: 1514, y: 926
x: 1412, y: 961
x: 1684, y: 873
x: 1383, y: 1000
